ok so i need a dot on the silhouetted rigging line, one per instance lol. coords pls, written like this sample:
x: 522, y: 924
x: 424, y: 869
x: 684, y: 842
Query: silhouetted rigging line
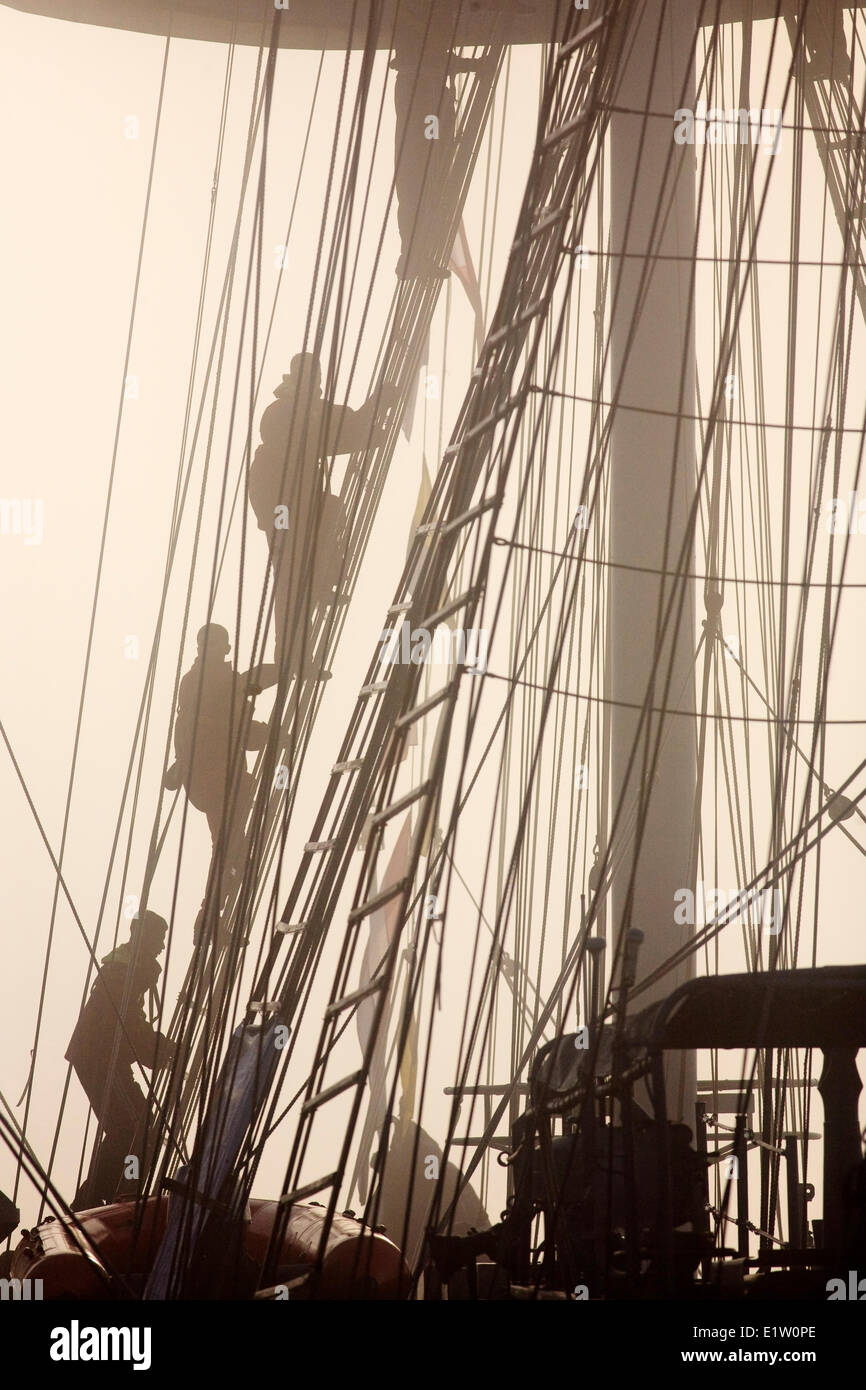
x: 233, y: 766
x: 779, y: 719
x: 763, y: 583
x: 729, y: 310
x: 222, y: 316
x: 62, y: 884
x: 285, y: 243
x: 704, y: 420
x: 738, y: 191
x: 790, y: 855
x: 91, y: 962
x: 770, y: 720
x: 658, y: 257
x: 596, y: 676
x: 491, y: 235
x: 856, y: 286
x: 732, y: 315
x: 784, y: 125
x: 526, y: 740
x: 235, y: 750
x: 770, y: 1221
x: 434, y: 502
x: 388, y: 779
x: 380, y: 1110
x: 168, y: 566
x: 16, y: 1141
x: 782, y: 752
x: 380, y: 242
x: 94, y: 604
x: 182, y: 487
x: 828, y: 630
x: 505, y: 896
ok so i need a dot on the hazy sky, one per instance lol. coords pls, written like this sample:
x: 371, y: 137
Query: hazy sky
x: 75, y: 183
x: 73, y: 95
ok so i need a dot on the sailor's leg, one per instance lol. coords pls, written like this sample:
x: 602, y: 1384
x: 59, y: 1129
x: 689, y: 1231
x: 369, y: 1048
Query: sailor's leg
x: 221, y: 818
x: 93, y: 1083
x: 214, y: 813
x: 330, y: 552
x: 121, y: 1111
x: 237, y: 829
x: 131, y: 1120
x: 297, y: 611
x: 285, y: 618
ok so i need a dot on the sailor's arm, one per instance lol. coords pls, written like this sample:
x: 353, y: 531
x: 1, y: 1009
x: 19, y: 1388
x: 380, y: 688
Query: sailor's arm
x: 350, y: 431
x: 150, y: 1046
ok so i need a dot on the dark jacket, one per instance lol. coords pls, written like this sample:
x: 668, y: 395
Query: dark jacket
x: 119, y: 989
x: 213, y: 713
x: 298, y: 434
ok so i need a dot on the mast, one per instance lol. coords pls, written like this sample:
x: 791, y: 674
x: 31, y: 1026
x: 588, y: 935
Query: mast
x: 652, y: 489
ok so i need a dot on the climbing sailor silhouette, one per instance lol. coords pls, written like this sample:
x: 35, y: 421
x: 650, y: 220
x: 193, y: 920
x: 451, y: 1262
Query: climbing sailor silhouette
x: 303, y: 521
x: 213, y: 729
x: 112, y: 1034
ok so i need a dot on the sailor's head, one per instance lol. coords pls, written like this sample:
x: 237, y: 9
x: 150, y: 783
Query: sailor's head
x: 148, y: 930
x: 305, y: 373
x: 213, y: 642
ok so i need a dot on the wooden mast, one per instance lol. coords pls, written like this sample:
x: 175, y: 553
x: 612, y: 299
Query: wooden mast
x: 652, y: 488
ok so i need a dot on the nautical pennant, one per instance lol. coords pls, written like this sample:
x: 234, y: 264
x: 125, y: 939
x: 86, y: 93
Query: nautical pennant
x: 383, y: 924
x: 462, y: 266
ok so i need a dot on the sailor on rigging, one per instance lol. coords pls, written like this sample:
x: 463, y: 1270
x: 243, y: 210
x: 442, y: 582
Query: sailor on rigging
x: 214, y: 727
x: 111, y: 1034
x: 288, y: 482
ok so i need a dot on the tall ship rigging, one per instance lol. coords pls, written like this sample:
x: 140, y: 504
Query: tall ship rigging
x: 478, y: 909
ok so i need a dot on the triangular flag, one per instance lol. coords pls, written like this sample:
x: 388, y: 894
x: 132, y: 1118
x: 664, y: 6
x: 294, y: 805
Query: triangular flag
x: 461, y: 265
x: 381, y: 931
x: 424, y: 491
x: 407, y: 424
x: 383, y: 924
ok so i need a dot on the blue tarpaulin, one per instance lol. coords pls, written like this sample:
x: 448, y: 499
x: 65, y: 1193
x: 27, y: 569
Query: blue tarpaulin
x: 244, y: 1081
